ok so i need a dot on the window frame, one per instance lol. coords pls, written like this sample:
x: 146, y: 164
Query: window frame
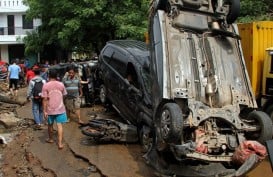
x: 27, y: 24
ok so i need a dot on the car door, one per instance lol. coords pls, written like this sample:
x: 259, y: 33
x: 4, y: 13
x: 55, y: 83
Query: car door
x: 131, y: 93
x: 115, y: 79
x: 107, y: 72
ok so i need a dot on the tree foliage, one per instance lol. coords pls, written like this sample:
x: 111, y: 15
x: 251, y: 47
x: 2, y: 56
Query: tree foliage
x: 253, y: 10
x: 85, y: 24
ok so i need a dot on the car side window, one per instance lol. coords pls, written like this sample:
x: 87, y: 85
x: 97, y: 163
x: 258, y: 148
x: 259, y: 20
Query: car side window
x: 131, y: 75
x: 118, y: 64
x: 107, y: 54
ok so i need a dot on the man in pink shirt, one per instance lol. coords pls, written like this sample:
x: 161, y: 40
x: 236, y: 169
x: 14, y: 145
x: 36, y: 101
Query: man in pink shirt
x: 53, y: 106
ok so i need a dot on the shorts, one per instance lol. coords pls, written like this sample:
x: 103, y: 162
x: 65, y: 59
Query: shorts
x: 72, y: 103
x: 59, y: 118
x: 13, y: 82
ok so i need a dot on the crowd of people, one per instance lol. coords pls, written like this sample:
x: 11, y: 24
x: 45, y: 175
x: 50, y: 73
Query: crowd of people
x: 18, y: 73
x: 53, y: 99
x: 58, y: 99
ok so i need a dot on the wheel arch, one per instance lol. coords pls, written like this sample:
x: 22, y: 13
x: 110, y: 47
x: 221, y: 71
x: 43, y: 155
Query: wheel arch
x: 268, y: 103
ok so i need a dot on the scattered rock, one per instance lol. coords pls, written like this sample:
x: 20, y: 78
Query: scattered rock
x: 92, y: 169
x: 3, y: 140
x: 9, y: 119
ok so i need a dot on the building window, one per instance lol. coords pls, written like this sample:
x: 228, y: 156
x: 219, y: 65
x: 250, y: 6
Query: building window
x: 2, y: 31
x: 27, y: 24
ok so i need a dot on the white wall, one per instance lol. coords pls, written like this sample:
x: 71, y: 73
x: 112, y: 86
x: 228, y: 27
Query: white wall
x: 18, y: 22
x: 3, y: 20
x: 12, y: 6
x: 4, y: 53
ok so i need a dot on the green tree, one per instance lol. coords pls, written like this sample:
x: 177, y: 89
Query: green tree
x: 85, y: 25
x: 253, y: 10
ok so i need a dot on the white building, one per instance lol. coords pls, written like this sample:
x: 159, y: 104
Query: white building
x: 13, y: 28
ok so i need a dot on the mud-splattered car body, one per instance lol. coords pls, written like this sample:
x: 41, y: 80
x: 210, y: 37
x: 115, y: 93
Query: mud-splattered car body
x: 202, y: 101
x: 125, y: 74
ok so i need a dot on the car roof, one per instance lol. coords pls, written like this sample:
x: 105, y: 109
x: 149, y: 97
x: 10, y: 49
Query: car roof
x: 138, y: 49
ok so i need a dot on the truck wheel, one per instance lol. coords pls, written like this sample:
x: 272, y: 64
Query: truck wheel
x: 266, y: 128
x: 234, y: 10
x: 161, y: 5
x: 103, y: 94
x: 171, y: 123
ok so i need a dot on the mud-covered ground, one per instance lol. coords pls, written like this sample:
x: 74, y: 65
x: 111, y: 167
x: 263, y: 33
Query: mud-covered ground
x: 28, y: 155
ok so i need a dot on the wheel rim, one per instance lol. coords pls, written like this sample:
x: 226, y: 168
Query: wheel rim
x: 165, y: 123
x: 255, y: 134
x: 147, y: 142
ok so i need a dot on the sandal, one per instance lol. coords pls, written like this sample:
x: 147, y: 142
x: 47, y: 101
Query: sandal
x: 49, y: 141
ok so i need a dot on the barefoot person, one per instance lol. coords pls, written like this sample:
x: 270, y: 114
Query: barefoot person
x: 53, y: 106
x: 72, y: 83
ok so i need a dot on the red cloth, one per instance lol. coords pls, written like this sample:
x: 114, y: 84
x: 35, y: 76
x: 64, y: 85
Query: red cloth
x: 30, y: 74
x: 35, y: 67
x: 23, y: 68
x: 246, y: 149
x: 3, y: 67
x: 200, y: 135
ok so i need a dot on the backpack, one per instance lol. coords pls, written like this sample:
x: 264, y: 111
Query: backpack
x: 37, y: 89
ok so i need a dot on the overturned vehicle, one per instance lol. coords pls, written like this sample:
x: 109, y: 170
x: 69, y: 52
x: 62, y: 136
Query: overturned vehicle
x: 204, y: 110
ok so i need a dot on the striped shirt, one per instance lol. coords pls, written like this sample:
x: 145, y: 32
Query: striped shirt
x: 72, y: 86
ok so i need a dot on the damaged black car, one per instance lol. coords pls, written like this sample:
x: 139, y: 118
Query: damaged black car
x: 124, y: 70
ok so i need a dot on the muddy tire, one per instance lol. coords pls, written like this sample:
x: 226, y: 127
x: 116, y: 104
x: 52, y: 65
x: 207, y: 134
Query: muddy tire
x: 171, y: 123
x: 269, y: 111
x: 234, y: 10
x: 103, y: 94
x: 266, y: 128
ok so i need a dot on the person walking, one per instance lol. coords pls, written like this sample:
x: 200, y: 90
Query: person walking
x: 54, y: 110
x: 30, y: 74
x: 34, y: 93
x: 13, y: 77
x: 72, y: 83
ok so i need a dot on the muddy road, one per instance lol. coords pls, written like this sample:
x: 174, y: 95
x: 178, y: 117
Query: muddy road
x: 29, y: 155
